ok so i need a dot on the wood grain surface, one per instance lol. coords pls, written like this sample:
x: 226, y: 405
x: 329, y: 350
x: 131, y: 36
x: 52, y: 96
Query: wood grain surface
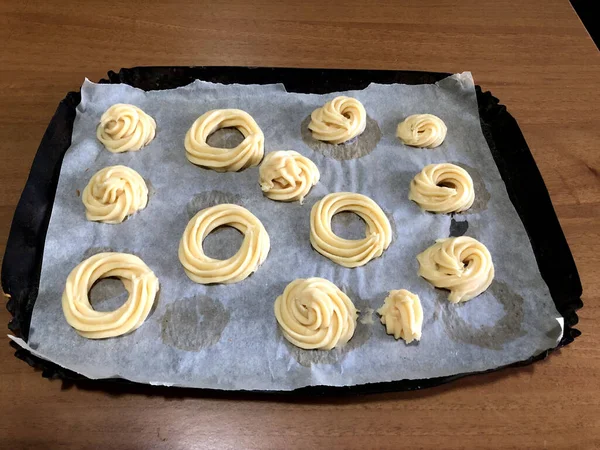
x: 534, y: 55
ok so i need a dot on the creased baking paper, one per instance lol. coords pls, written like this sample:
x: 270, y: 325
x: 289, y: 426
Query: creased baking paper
x: 226, y: 336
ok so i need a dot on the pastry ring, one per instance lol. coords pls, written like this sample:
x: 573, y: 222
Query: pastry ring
x: 422, y: 130
x: 205, y: 270
x: 125, y: 128
x: 338, y: 120
x: 314, y: 313
x: 442, y: 188
x: 462, y: 265
x: 247, y: 154
x: 114, y: 193
x: 349, y: 252
x: 138, y: 279
x: 287, y: 176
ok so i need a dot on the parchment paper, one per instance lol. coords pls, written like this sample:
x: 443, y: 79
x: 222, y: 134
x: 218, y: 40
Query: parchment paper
x: 226, y: 336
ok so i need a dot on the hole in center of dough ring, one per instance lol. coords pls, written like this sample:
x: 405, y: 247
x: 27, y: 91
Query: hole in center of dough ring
x: 349, y: 252
x: 203, y: 269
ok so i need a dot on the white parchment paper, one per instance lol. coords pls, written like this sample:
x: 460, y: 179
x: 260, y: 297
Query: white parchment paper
x: 226, y: 336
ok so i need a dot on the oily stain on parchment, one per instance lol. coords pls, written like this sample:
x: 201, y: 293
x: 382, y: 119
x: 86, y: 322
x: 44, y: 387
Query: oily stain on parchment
x: 362, y: 333
x: 482, y: 195
x: 507, y: 329
x: 192, y: 324
x: 357, y: 147
x: 207, y: 199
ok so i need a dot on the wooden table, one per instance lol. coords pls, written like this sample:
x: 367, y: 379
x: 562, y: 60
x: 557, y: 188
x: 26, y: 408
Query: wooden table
x: 534, y: 55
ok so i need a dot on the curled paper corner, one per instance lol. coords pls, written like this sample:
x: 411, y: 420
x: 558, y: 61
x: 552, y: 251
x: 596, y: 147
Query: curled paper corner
x: 161, y: 383
x: 561, y: 322
x: 21, y: 343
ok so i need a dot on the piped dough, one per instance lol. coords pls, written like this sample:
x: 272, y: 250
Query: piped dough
x: 205, y: 270
x: 422, y: 130
x: 402, y: 315
x: 138, y: 279
x: 462, y: 265
x: 338, y: 120
x: 442, y: 188
x: 314, y: 313
x: 349, y: 252
x: 247, y: 154
x: 125, y: 128
x: 114, y: 193
x: 287, y: 176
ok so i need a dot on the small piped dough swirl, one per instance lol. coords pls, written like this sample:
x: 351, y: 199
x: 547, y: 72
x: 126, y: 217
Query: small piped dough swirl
x: 314, y: 313
x: 205, y: 270
x: 138, y: 279
x: 402, y: 315
x: 287, y: 176
x: 125, y: 128
x: 422, y: 130
x: 349, y: 252
x: 461, y: 264
x: 338, y: 120
x: 247, y: 154
x: 442, y: 188
x: 114, y: 193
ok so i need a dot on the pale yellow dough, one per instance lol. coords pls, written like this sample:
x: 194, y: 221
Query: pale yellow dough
x: 114, y: 193
x: 349, y: 252
x: 205, y: 270
x: 287, y: 176
x: 402, y: 315
x: 462, y: 265
x: 314, y: 313
x: 338, y: 120
x: 422, y: 130
x: 125, y: 128
x: 442, y: 188
x: 138, y: 279
x: 247, y: 154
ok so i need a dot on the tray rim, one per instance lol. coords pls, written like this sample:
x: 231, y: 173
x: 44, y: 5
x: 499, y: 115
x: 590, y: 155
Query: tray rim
x: 499, y: 128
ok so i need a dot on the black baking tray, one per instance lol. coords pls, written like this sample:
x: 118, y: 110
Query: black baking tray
x: 24, y: 250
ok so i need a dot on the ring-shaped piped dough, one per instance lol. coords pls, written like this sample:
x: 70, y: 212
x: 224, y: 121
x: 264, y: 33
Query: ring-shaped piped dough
x: 402, y: 315
x: 114, y: 193
x: 287, y: 176
x: 462, y: 265
x: 338, y: 120
x: 422, y: 130
x: 349, y: 252
x: 138, y: 279
x: 442, y: 188
x: 314, y: 313
x: 125, y: 128
x: 205, y: 270
x: 247, y: 154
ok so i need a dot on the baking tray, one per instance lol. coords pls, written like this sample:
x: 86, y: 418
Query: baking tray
x: 24, y: 250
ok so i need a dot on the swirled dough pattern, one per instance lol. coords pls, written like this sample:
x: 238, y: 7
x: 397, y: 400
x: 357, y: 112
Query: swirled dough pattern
x: 402, y: 315
x: 247, y: 154
x: 314, y: 313
x: 442, y: 188
x: 349, y: 252
x: 114, y: 193
x: 287, y: 176
x: 138, y: 279
x: 461, y: 264
x: 422, y: 130
x: 125, y: 128
x: 338, y: 120
x: 205, y: 270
